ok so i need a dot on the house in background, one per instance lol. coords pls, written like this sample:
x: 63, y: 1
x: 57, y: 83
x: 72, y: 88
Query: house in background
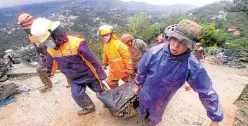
x: 232, y: 28
x: 212, y: 17
x: 237, y: 33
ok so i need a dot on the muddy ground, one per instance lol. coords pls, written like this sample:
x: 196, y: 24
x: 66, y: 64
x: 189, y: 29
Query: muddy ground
x: 241, y: 118
x: 57, y: 108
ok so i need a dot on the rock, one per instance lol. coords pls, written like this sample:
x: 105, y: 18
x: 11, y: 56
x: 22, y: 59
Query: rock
x: 4, y: 78
x: 230, y: 58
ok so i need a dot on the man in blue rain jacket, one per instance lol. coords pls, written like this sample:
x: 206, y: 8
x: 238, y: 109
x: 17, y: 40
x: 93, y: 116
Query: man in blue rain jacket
x: 166, y: 67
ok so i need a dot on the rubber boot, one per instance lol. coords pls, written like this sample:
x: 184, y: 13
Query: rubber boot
x: 44, y: 79
x: 86, y: 110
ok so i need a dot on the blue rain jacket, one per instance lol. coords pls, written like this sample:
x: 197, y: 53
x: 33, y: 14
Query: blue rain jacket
x: 160, y: 75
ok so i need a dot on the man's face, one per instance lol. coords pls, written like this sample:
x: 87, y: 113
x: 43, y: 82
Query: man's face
x: 198, y: 46
x: 160, y: 37
x: 106, y: 38
x: 130, y: 42
x: 26, y: 29
x: 176, y: 47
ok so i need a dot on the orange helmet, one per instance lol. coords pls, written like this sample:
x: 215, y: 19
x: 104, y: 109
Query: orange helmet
x: 126, y: 37
x: 25, y: 19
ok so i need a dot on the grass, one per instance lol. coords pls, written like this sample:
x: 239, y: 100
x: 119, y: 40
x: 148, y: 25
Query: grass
x: 97, y: 47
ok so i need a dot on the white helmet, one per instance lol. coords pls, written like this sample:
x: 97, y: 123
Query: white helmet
x: 169, y: 30
x: 42, y: 28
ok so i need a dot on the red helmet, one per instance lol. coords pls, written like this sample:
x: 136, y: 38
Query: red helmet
x: 126, y: 37
x: 25, y: 19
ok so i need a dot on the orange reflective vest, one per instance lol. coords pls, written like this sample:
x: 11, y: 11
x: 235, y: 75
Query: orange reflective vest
x: 68, y: 49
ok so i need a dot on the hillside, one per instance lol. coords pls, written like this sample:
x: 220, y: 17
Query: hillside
x: 211, y: 9
x: 8, y: 15
x: 220, y: 14
x: 83, y: 16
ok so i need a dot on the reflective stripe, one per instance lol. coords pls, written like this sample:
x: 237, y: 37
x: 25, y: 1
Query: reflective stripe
x: 116, y: 59
x: 47, y: 32
x: 65, y: 55
x: 93, y: 69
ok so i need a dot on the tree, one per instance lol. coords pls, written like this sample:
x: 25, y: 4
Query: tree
x: 151, y: 32
x: 240, y: 6
x: 207, y: 37
x: 141, y: 27
x: 220, y: 36
x: 138, y: 24
x: 210, y: 36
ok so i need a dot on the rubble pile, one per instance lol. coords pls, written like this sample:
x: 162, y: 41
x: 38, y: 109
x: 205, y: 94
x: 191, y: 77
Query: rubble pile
x: 5, y: 64
x: 13, y: 61
x: 229, y: 57
x: 27, y: 54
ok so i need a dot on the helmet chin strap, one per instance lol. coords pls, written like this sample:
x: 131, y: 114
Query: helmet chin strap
x: 57, y: 43
x: 109, y: 39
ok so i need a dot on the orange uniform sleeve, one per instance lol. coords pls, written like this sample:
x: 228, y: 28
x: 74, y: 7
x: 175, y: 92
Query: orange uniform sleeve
x: 126, y: 57
x: 105, y: 57
x: 54, y: 67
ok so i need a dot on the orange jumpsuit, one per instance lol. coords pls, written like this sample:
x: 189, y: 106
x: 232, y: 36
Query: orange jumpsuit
x: 117, y: 56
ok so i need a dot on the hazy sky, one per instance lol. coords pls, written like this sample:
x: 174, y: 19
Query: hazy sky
x: 9, y: 3
x: 169, y: 2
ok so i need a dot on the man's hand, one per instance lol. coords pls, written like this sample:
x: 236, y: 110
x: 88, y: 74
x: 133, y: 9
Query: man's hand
x: 187, y: 87
x: 215, y: 123
x: 136, y: 89
x: 106, y: 84
x: 104, y: 67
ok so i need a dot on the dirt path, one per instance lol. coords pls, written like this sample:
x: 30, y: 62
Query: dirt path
x: 57, y: 107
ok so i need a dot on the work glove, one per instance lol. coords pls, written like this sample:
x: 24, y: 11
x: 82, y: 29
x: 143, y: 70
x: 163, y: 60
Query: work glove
x: 105, y: 84
x: 136, y: 89
x: 104, y: 67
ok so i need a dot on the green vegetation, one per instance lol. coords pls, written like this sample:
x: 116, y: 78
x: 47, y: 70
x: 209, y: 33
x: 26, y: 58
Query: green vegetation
x: 215, y: 31
x: 239, y: 43
x: 140, y: 26
x: 240, y: 6
x: 211, y: 36
x: 97, y: 47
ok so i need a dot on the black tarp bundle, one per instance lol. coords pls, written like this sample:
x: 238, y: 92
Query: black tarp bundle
x: 7, y: 90
x: 121, y: 101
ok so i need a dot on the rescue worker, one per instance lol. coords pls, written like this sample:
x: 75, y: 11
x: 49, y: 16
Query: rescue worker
x: 137, y: 48
x: 168, y: 31
x: 199, y: 52
x: 162, y: 36
x: 25, y: 21
x: 116, y: 55
x: 166, y: 67
x: 160, y: 39
x: 74, y: 59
